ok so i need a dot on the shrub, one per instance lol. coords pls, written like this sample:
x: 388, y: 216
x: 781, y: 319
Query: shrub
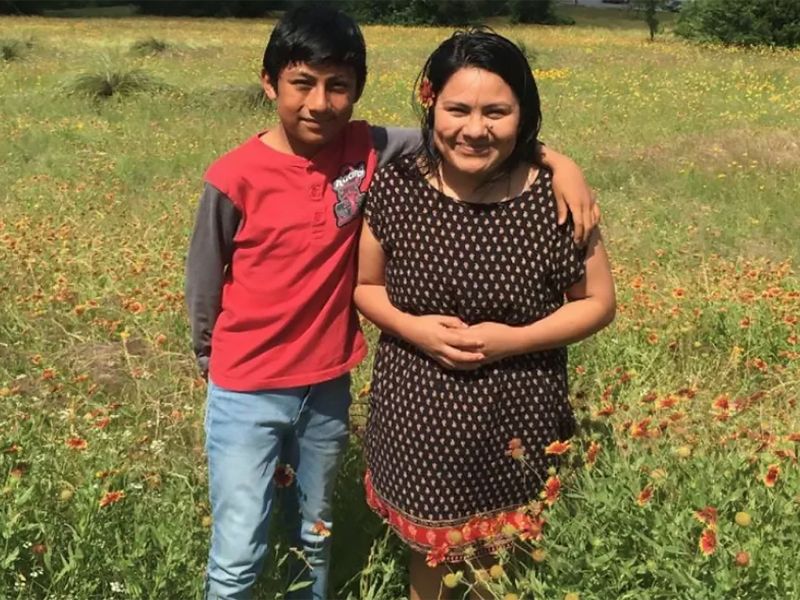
x: 536, y: 11
x: 742, y: 22
x: 14, y: 49
x: 104, y: 84
x: 247, y: 97
x: 150, y: 46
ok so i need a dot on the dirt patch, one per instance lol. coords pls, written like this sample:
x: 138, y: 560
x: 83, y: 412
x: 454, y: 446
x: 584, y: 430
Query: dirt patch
x: 721, y: 150
x: 107, y: 364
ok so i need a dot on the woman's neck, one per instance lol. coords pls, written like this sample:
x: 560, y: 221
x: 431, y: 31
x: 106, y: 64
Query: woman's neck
x: 464, y: 186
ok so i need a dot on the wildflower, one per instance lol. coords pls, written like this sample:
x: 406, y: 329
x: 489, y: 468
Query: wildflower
x: 572, y: 596
x: 558, y: 448
x: 436, y: 556
x: 658, y: 474
x: 319, y: 528
x: 102, y: 423
x: 111, y: 498
x: 515, y: 449
x: 742, y: 559
x: 743, y: 519
x: 425, y: 93
x: 77, y: 443
x: 511, y: 596
x: 708, y: 542
x: 451, y: 580
x: 708, y: 516
x: 66, y: 494
x: 667, y: 402
x: 795, y: 437
x: 651, y: 397
x: 684, y: 452
x: 644, y: 496
x: 722, y: 403
x: 551, y: 489
x: 206, y: 521
x: 591, y: 454
x: 497, y: 571
x: 678, y: 293
x: 39, y: 549
x: 539, y: 555
x: 104, y: 474
x: 639, y: 430
x: 772, y: 475
x: 605, y: 411
x: 652, y: 338
x: 284, y: 476
x: 18, y: 470
x: 745, y: 323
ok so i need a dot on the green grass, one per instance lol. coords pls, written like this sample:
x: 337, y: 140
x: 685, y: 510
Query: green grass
x: 693, y: 154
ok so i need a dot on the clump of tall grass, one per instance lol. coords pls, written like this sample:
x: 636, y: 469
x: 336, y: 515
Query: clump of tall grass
x: 529, y: 53
x: 109, y: 82
x: 150, y: 46
x: 248, y: 97
x: 13, y: 49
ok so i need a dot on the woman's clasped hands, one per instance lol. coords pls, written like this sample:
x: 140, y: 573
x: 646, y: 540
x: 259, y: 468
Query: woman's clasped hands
x: 456, y: 345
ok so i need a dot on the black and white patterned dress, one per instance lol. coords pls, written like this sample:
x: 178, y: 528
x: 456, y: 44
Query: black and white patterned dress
x: 437, y: 439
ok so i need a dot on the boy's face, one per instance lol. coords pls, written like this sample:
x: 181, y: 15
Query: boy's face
x: 314, y: 103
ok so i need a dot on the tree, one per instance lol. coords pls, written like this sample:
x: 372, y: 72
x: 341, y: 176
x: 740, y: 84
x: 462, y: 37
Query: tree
x: 651, y: 8
x: 532, y: 11
x: 742, y: 22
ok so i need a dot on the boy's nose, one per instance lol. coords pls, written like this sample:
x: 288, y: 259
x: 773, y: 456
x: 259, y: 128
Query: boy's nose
x: 317, y: 100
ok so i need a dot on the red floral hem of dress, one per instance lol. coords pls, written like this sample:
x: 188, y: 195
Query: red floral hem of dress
x: 456, y: 541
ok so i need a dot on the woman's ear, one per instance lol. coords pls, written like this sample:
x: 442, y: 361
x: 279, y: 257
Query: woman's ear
x: 270, y: 87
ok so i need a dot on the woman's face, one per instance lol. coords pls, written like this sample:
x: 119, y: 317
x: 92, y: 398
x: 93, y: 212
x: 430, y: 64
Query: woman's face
x: 476, y: 117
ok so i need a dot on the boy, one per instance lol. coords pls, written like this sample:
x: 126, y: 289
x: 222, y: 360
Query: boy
x: 271, y: 272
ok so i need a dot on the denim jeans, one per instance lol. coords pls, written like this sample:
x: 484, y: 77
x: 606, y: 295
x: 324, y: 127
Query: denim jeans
x: 248, y: 434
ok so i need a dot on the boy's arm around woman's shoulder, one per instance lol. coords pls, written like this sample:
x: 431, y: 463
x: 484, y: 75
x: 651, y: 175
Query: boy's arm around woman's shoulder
x: 210, y: 254
x: 391, y: 143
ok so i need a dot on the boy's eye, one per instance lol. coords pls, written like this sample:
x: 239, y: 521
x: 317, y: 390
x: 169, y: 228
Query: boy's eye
x: 339, y: 87
x: 302, y: 84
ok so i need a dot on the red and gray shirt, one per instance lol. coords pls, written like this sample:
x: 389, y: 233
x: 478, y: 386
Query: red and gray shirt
x: 272, y: 261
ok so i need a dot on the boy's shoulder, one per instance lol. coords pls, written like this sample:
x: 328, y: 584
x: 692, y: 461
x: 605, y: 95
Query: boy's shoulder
x: 234, y: 165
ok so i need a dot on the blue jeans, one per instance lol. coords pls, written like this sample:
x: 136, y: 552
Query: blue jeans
x: 247, y: 435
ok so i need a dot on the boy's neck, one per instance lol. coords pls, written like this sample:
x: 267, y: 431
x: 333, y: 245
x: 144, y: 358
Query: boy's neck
x: 277, y: 139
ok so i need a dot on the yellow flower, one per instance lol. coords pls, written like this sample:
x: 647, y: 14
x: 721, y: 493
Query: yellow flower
x: 497, y: 571
x: 743, y: 519
x: 451, y: 580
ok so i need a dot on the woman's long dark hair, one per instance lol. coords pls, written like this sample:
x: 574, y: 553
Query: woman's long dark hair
x: 482, y: 48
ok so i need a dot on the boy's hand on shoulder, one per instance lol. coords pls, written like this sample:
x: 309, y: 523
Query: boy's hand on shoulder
x: 573, y: 195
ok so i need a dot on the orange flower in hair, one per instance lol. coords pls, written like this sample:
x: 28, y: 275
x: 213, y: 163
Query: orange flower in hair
x: 426, y: 96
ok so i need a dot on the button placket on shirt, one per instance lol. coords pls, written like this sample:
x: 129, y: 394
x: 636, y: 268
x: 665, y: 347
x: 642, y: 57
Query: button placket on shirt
x: 316, y: 193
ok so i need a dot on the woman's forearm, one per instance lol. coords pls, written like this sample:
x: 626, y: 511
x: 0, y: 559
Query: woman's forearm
x: 373, y: 302
x: 571, y: 323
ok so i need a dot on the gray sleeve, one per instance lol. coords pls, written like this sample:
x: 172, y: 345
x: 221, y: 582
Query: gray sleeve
x: 210, y: 253
x: 393, y: 142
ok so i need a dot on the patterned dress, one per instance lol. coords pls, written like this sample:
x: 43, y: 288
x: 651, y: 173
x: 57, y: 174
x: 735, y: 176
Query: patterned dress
x: 439, y: 441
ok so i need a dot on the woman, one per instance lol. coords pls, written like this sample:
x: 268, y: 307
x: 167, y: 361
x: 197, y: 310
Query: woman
x: 464, y: 268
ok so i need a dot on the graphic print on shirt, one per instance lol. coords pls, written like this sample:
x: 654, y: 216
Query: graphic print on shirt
x: 349, y: 197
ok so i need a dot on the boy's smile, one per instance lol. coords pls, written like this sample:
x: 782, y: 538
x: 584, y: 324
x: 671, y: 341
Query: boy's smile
x: 314, y: 103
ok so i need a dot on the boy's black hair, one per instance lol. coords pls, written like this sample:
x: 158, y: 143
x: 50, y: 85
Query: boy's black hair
x: 315, y: 34
x: 484, y: 49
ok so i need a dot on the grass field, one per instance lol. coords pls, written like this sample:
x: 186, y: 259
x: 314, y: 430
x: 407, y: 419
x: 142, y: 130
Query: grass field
x: 691, y: 394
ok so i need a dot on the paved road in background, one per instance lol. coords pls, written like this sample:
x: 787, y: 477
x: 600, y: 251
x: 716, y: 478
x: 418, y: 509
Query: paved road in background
x: 595, y: 4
